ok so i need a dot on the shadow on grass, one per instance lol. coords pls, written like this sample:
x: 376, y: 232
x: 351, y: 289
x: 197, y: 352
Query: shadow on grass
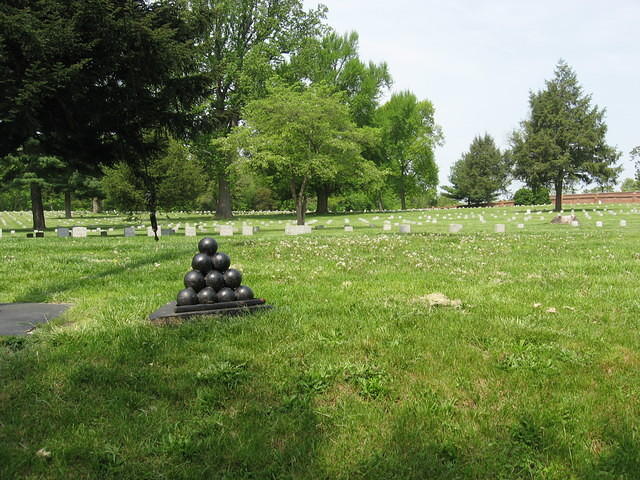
x: 187, y: 403
x: 132, y: 404
x: 43, y: 292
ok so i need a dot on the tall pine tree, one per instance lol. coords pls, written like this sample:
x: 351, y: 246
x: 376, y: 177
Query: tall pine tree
x: 564, y: 138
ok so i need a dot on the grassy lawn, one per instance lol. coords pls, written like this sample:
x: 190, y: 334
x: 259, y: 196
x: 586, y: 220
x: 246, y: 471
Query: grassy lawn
x: 353, y: 374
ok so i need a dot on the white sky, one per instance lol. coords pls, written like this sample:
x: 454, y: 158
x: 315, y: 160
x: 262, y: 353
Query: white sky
x: 478, y: 60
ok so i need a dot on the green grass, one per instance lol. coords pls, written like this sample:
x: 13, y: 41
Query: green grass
x: 352, y: 375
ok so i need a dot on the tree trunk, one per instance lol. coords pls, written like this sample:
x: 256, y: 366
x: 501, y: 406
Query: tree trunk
x: 403, y: 200
x: 223, y: 204
x: 300, y: 199
x: 96, y: 205
x: 558, y: 187
x: 323, y: 200
x: 152, y: 206
x: 380, y: 202
x: 67, y: 204
x: 301, y: 207
x: 37, y: 207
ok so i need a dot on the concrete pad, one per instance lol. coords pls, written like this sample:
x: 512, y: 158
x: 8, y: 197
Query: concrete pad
x: 21, y: 318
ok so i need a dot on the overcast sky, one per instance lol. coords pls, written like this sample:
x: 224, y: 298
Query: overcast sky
x: 478, y: 60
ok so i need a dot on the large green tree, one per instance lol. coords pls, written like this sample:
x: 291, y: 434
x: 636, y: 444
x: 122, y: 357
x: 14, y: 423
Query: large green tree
x: 96, y: 81
x: 300, y: 136
x: 241, y: 44
x: 409, y: 136
x: 564, y: 138
x: 333, y: 60
x: 480, y: 174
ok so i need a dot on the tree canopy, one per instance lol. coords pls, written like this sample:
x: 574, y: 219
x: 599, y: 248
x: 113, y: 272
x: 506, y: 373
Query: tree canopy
x: 564, y: 138
x: 241, y: 45
x: 333, y: 60
x: 300, y: 136
x: 409, y: 136
x: 97, y: 81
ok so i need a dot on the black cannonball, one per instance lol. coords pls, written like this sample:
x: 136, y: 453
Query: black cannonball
x: 221, y: 261
x: 188, y: 296
x: 232, y: 278
x: 195, y: 280
x: 202, y: 262
x: 226, y: 295
x: 244, y: 293
x: 207, y: 295
x: 208, y: 245
x: 215, y: 280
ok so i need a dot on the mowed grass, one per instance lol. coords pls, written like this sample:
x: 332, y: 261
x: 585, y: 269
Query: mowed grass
x: 353, y: 374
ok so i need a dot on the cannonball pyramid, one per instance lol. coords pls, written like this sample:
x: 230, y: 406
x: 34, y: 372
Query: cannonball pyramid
x: 211, y: 288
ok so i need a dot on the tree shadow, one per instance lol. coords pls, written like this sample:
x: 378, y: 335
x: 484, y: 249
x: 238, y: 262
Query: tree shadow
x: 126, y: 407
x: 44, y: 292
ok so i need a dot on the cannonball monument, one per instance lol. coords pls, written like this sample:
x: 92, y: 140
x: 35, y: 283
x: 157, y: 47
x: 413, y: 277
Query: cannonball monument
x: 211, y: 287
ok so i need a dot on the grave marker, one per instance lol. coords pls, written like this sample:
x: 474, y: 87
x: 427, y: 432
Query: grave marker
x: 79, y: 232
x: 499, y: 228
x: 247, y: 230
x: 226, y: 230
x: 129, y: 232
x: 297, y: 229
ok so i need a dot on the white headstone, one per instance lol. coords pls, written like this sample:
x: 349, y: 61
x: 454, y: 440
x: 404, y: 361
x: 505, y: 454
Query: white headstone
x: 575, y: 223
x: 297, y: 229
x: 623, y: 223
x: 521, y: 225
x: 386, y: 227
x: 348, y: 228
x: 150, y: 231
x: 499, y: 228
x: 598, y: 224
x: 405, y: 228
x: 79, y: 232
x: 189, y: 231
x: 0, y: 233
x: 129, y: 232
x: 455, y: 228
x: 247, y: 230
x: 226, y: 230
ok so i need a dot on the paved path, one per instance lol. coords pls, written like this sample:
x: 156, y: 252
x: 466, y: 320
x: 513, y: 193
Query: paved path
x: 20, y: 318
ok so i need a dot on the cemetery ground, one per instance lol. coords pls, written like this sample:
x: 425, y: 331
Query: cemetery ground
x: 354, y: 374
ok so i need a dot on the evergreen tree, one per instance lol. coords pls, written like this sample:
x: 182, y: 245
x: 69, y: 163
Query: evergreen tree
x: 480, y: 174
x: 96, y: 81
x: 563, y: 139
